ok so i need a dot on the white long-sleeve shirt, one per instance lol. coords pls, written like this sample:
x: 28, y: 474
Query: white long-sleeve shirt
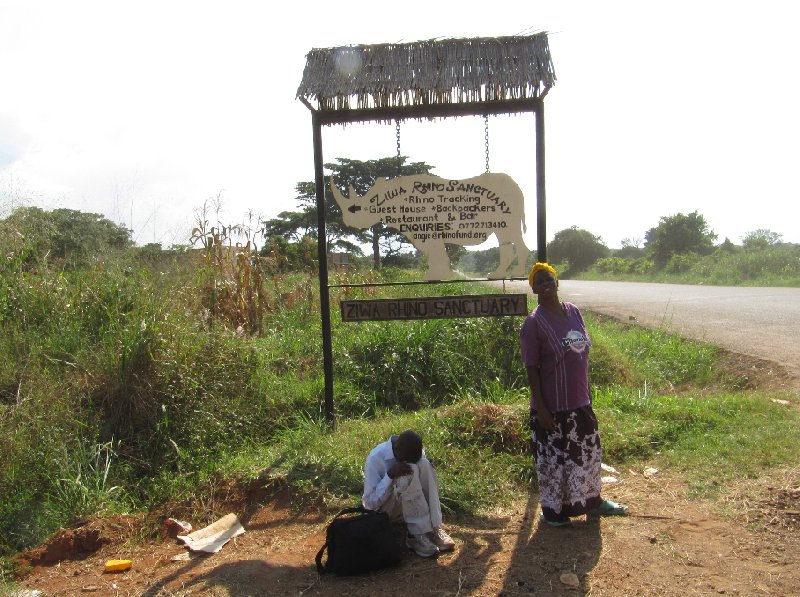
x: 377, y: 483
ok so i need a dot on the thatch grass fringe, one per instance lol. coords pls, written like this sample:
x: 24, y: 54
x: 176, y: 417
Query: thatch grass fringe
x: 428, y: 72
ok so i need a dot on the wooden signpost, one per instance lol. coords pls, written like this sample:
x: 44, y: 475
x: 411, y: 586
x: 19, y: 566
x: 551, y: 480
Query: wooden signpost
x: 431, y: 79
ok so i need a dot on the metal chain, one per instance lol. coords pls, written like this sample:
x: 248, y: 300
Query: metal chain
x: 486, y: 138
x: 397, y: 132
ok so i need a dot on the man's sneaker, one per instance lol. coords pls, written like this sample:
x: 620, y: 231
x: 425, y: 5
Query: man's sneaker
x: 442, y: 540
x: 421, y: 545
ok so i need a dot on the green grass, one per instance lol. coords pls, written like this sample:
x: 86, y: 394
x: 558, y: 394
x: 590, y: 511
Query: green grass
x: 777, y: 265
x: 128, y: 399
x: 653, y: 358
x: 482, y: 446
x: 709, y: 439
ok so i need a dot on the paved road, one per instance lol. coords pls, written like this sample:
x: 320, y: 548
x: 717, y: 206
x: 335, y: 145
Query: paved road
x: 761, y: 322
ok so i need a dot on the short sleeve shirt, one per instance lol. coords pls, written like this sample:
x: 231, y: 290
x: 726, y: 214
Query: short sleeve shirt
x: 559, y: 347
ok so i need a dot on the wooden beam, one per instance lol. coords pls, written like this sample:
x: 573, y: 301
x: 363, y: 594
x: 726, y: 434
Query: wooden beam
x: 389, y: 113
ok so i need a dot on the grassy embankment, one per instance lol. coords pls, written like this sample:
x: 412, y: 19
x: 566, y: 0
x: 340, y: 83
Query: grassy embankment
x: 777, y: 265
x: 120, y: 390
x: 727, y: 265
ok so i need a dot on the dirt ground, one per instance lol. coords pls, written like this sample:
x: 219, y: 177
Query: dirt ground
x: 745, y: 544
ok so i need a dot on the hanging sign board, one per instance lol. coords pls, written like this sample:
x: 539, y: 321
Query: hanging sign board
x: 440, y: 307
x: 431, y: 212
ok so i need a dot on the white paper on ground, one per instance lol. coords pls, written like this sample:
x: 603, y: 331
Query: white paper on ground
x: 211, y: 538
x: 608, y: 468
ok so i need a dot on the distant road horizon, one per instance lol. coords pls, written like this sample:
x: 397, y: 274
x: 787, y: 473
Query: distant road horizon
x: 756, y: 321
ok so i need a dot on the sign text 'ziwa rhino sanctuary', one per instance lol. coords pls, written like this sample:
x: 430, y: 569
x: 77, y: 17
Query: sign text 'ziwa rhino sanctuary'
x: 431, y: 212
x: 437, y: 307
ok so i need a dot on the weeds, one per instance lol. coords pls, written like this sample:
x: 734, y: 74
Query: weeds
x: 412, y: 364
x: 774, y: 265
x: 631, y: 355
x: 117, y: 392
x: 83, y: 485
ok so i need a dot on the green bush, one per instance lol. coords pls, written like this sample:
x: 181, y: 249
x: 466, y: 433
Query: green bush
x: 681, y: 262
x: 614, y: 265
x: 117, y: 393
x: 419, y: 363
x: 777, y: 264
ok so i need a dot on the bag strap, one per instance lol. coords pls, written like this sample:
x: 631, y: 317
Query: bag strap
x: 320, y: 568
x: 318, y: 559
x: 359, y: 509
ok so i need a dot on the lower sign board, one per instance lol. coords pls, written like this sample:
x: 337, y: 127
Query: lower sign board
x: 440, y: 307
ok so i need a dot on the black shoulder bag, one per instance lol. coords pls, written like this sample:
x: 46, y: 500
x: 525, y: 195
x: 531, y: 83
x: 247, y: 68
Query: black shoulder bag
x: 357, y: 544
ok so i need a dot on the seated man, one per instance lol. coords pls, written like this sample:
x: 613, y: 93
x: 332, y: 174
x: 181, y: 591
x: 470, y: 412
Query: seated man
x: 400, y: 480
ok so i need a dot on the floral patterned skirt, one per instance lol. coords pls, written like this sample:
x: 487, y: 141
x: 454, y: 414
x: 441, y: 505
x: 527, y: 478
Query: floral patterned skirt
x: 568, y: 464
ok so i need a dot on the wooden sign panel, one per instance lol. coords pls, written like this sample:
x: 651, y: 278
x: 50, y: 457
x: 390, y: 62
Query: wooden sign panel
x: 431, y: 211
x: 441, y: 307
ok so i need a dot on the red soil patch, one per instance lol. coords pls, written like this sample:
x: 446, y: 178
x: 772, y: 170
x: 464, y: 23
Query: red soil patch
x: 667, y: 546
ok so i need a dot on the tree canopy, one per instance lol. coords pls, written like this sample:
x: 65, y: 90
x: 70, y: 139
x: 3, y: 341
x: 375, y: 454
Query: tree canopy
x: 361, y: 175
x: 679, y: 234
x: 294, y: 226
x: 761, y: 238
x: 67, y: 235
x: 580, y: 248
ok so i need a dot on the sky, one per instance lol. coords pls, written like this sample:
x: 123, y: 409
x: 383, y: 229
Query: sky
x: 144, y: 111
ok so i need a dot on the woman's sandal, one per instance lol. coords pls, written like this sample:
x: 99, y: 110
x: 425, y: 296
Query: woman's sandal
x: 553, y: 523
x: 609, y: 508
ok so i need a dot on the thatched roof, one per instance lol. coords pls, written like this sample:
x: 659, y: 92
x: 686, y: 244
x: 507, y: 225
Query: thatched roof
x: 436, y: 71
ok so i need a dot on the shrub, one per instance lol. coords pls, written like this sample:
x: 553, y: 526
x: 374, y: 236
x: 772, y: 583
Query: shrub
x: 614, y: 265
x: 409, y: 364
x: 681, y: 262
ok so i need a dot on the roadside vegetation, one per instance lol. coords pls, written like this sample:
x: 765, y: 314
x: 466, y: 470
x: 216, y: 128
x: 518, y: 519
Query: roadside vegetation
x: 681, y: 249
x: 137, y: 377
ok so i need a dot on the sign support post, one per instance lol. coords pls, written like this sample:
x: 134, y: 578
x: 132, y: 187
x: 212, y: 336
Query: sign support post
x: 322, y: 256
x: 541, y: 198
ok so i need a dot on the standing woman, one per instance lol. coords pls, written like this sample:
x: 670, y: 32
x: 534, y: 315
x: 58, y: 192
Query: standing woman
x: 555, y: 350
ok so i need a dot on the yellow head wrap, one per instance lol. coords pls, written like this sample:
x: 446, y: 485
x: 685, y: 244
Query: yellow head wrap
x: 539, y: 266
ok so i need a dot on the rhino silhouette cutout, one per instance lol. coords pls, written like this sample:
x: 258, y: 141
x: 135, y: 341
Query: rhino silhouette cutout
x: 431, y: 211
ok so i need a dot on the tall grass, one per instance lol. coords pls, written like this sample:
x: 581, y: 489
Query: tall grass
x: 482, y: 447
x: 117, y: 392
x: 632, y: 355
x: 413, y: 364
x: 777, y: 265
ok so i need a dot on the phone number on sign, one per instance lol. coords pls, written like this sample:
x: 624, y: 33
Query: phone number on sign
x: 481, y: 225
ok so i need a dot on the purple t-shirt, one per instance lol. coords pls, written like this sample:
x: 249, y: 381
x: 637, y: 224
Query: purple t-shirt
x: 560, y: 348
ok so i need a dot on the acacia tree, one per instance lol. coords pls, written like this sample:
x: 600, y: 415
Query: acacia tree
x: 293, y: 226
x: 361, y: 175
x: 761, y: 238
x: 679, y: 234
x: 630, y: 248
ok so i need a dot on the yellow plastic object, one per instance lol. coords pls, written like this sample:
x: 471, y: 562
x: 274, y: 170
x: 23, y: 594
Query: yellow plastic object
x: 118, y: 565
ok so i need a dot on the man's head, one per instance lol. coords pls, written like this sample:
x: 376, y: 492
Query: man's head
x: 407, y: 447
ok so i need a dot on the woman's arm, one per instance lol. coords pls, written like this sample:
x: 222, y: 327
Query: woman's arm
x: 543, y: 415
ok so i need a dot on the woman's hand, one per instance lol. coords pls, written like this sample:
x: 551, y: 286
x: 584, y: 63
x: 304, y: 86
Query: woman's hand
x: 538, y: 409
x: 545, y: 419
